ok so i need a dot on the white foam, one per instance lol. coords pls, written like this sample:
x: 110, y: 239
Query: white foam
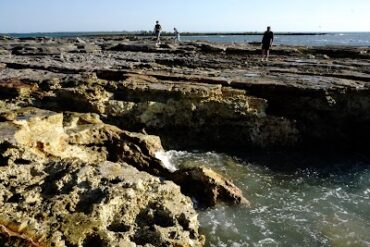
x: 166, y: 160
x: 267, y: 242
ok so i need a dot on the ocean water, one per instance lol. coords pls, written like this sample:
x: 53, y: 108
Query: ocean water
x: 332, y: 39
x: 296, y: 201
x: 346, y: 39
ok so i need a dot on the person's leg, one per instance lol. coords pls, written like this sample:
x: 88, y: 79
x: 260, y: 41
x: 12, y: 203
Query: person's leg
x: 267, y: 54
x: 263, y: 54
x: 159, y: 37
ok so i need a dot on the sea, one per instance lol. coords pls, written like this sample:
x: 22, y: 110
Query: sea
x: 296, y: 199
x: 327, y: 39
x: 330, y: 39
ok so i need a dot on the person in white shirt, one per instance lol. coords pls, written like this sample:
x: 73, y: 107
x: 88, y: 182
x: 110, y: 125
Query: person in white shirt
x: 177, y: 35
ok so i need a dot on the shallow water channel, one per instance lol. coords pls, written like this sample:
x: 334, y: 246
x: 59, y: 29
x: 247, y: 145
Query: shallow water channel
x: 303, y: 200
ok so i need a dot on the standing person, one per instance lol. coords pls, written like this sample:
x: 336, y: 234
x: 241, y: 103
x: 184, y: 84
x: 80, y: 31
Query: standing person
x: 157, y: 31
x: 177, y: 35
x: 268, y: 39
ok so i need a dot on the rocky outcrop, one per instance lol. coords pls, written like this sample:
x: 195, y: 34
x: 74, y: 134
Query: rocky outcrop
x: 105, y: 204
x: 75, y: 113
x: 58, y: 189
x: 195, y: 96
x: 197, y: 113
x: 68, y: 179
x: 207, y: 187
x: 44, y: 135
x: 34, y: 135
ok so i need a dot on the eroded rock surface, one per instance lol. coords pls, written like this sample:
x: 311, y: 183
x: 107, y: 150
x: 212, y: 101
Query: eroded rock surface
x: 58, y: 189
x: 105, y: 204
x: 199, y: 92
x: 76, y: 116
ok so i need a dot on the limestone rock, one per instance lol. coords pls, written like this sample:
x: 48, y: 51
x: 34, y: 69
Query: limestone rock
x: 205, y: 47
x: 31, y: 134
x: 4, y: 53
x: 134, y: 47
x: 62, y: 192
x: 108, y: 204
x: 85, y: 99
x: 12, y: 88
x: 140, y: 151
x: 208, y: 187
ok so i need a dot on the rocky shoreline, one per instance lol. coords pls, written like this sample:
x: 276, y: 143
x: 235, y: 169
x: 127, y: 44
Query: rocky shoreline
x: 83, y: 121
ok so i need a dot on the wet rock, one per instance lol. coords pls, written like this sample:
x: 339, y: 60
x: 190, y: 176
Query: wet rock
x: 207, y: 187
x: 140, y: 151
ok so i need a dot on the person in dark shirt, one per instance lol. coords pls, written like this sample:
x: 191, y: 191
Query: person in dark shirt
x: 157, y: 32
x: 268, y: 39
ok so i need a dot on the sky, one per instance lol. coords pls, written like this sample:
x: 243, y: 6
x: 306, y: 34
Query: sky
x: 23, y: 16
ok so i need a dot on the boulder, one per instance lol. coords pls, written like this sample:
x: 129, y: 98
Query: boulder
x: 207, y: 187
x: 140, y: 151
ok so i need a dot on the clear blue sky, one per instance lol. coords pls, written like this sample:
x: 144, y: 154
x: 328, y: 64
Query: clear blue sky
x: 186, y: 15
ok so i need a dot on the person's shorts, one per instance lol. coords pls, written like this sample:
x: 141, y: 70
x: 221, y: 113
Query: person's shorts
x: 266, y: 46
x: 157, y: 34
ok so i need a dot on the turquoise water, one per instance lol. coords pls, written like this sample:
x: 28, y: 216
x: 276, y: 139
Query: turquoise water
x: 291, y: 206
